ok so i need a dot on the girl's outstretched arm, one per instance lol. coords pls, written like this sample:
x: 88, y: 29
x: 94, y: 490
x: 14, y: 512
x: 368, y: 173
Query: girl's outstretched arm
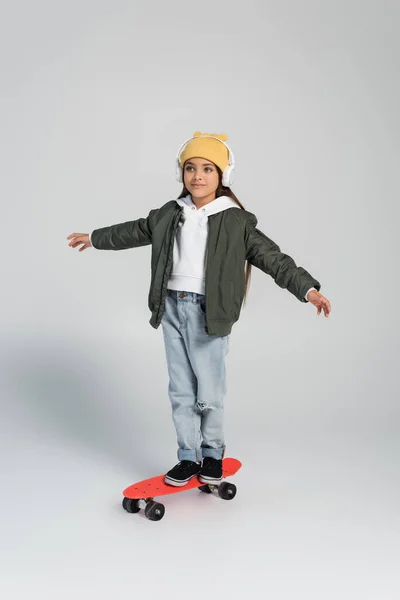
x: 130, y: 234
x: 265, y: 254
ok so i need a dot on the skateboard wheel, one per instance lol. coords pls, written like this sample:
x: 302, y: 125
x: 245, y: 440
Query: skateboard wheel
x: 227, y: 491
x: 154, y: 511
x: 130, y: 505
x: 205, y: 489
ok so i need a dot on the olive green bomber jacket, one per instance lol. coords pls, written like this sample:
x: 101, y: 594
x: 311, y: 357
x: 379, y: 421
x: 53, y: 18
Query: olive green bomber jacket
x: 232, y: 239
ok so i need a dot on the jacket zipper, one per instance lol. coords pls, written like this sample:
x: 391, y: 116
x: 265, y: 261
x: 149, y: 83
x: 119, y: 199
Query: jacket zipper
x: 170, y: 250
x: 205, y: 288
x: 205, y: 280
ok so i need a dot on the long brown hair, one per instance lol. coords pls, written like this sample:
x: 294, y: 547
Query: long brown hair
x: 225, y: 191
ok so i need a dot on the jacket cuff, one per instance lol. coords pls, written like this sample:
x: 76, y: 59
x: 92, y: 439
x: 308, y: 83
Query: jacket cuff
x: 90, y: 239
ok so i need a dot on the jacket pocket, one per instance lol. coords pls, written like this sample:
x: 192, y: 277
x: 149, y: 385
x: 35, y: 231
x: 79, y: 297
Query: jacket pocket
x: 235, y: 299
x: 232, y: 298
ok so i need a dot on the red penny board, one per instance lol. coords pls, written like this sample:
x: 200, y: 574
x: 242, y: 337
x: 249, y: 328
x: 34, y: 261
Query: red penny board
x: 155, y: 486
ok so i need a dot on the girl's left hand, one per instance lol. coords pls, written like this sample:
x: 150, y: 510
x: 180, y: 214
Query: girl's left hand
x: 320, y: 301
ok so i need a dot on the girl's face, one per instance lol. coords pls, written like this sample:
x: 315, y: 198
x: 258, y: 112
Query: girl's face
x: 201, y: 179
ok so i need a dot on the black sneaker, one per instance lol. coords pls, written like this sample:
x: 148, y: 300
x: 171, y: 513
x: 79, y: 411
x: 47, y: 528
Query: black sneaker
x: 211, y: 471
x: 183, y: 472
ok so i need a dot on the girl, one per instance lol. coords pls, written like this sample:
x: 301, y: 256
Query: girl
x: 201, y: 243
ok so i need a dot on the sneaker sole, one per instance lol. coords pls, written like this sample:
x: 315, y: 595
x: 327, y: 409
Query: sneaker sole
x: 205, y: 479
x: 176, y: 482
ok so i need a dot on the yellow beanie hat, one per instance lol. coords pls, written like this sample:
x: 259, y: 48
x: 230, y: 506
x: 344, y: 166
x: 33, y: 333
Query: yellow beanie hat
x: 207, y: 147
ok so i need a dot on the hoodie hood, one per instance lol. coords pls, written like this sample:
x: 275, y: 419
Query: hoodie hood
x: 213, y: 207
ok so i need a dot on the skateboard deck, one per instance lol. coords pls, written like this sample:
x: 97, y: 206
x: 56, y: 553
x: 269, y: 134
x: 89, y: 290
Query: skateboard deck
x: 149, y: 488
x: 141, y: 494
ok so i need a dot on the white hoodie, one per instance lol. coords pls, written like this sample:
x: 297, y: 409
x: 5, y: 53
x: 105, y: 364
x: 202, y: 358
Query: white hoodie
x: 188, y: 271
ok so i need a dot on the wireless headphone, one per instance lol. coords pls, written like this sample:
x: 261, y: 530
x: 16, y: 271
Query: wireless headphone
x: 227, y: 175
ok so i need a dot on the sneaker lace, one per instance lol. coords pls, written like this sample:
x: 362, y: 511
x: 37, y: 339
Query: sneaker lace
x: 184, y: 464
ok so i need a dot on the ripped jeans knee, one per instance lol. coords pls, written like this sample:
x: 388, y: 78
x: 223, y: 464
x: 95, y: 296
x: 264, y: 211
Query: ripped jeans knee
x: 202, y: 406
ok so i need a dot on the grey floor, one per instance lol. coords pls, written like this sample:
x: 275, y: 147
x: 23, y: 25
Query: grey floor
x: 316, y: 514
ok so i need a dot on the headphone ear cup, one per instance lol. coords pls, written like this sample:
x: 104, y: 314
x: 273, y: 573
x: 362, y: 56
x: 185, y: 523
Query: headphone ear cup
x: 227, y: 176
x: 178, y: 171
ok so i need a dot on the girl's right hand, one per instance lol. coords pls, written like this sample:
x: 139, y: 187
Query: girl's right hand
x: 79, y: 238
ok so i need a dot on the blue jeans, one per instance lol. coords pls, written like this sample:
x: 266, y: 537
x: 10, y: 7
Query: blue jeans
x: 197, y: 376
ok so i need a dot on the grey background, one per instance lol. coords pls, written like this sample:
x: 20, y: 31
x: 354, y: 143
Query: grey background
x: 96, y: 98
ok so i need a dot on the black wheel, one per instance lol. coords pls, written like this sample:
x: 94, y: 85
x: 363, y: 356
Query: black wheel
x: 226, y: 491
x: 130, y: 505
x: 154, y: 511
x: 205, y: 489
